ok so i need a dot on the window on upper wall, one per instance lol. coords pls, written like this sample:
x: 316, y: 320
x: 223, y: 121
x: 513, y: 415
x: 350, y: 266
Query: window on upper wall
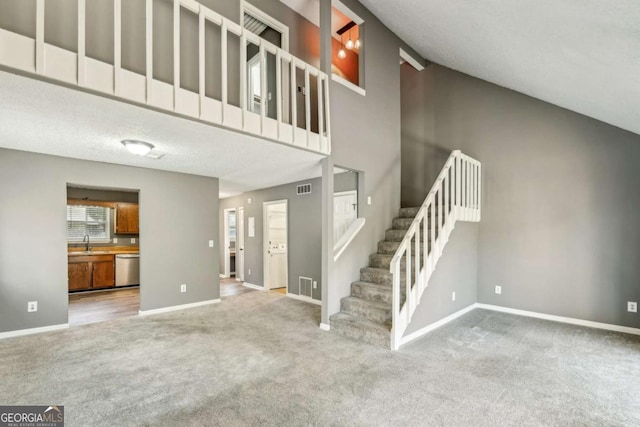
x: 347, y: 47
x: 94, y: 221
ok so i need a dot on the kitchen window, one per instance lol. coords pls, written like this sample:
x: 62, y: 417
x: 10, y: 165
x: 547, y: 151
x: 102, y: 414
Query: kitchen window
x: 94, y: 221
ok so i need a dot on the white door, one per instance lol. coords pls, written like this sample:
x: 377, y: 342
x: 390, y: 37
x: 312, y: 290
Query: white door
x: 240, y: 246
x: 276, y: 246
x: 229, y: 240
x: 345, y: 208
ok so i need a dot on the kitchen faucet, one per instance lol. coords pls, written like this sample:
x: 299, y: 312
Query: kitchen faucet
x: 86, y: 239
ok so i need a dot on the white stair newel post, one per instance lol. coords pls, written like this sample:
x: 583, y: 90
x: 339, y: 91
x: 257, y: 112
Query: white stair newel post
x: 458, y: 162
x: 418, y: 285
x: 396, y: 334
x: 409, y: 300
x: 479, y: 191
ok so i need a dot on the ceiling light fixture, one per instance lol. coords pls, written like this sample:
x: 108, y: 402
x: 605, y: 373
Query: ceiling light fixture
x: 349, y: 44
x: 139, y: 148
x: 341, y: 53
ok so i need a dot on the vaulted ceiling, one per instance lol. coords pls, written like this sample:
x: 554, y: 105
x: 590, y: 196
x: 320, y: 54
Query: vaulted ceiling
x: 583, y: 55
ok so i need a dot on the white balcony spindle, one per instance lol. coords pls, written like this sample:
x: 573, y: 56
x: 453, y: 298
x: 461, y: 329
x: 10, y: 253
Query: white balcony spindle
x: 307, y: 105
x: 294, y: 106
x: 201, y: 59
x: 117, y: 46
x: 40, y: 37
x: 149, y: 48
x: 176, y: 51
x: 263, y: 86
x: 81, y: 41
x: 409, y: 300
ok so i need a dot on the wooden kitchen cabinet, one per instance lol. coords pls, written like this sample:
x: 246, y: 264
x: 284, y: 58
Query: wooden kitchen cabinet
x: 79, y: 276
x: 91, y: 272
x: 127, y: 221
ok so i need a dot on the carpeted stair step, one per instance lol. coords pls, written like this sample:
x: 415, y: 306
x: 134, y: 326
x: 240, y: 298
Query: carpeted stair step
x: 390, y: 247
x: 374, y: 311
x: 394, y: 235
x: 408, y: 212
x: 377, y: 334
x: 374, y: 292
x: 384, y: 261
x: 379, y: 276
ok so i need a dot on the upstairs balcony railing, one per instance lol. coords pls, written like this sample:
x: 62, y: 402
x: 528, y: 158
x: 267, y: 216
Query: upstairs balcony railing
x: 243, y: 81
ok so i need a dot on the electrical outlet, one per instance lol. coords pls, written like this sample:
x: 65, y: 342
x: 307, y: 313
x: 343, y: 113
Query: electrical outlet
x: 133, y: 240
x: 32, y: 306
x: 369, y: 200
x: 632, y: 307
x: 210, y: 243
x: 115, y: 240
x: 315, y: 285
x: 183, y: 288
x: 249, y: 272
x: 453, y: 296
x: 499, y: 290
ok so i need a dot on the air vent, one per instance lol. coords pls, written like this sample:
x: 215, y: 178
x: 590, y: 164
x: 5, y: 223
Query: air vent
x: 303, y: 189
x: 306, y: 286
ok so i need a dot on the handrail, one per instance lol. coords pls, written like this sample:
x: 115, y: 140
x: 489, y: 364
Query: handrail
x: 36, y: 56
x: 455, y: 196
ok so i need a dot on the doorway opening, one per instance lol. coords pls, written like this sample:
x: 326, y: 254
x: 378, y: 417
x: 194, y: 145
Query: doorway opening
x: 103, y: 253
x: 276, y: 255
x: 230, y: 236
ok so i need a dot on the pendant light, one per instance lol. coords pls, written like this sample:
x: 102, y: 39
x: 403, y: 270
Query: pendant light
x: 349, y: 44
x: 357, y: 44
x: 341, y: 53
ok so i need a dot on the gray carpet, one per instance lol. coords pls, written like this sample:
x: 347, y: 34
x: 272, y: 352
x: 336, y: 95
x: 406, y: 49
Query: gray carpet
x: 260, y: 359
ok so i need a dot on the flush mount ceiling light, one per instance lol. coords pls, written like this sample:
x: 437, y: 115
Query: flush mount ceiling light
x: 139, y: 148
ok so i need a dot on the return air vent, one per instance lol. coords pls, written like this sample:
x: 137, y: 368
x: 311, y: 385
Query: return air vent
x: 306, y: 286
x: 303, y: 189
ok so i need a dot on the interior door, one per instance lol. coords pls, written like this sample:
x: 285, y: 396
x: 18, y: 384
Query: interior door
x: 240, y: 246
x: 276, y: 246
x: 345, y: 208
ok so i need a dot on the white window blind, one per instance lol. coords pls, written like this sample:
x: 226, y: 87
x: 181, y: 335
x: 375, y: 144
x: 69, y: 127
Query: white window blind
x: 92, y: 220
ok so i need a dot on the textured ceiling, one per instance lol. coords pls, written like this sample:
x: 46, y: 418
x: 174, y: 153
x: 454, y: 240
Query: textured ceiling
x: 45, y: 118
x: 583, y: 55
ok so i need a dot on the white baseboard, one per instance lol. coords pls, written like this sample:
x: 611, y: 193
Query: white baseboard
x: 222, y: 276
x: 252, y: 286
x: 177, y: 307
x: 32, y: 331
x: 325, y: 327
x: 421, y: 332
x: 561, y: 319
x: 305, y: 299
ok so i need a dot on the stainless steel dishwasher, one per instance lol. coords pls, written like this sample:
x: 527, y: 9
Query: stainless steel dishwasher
x: 127, y: 269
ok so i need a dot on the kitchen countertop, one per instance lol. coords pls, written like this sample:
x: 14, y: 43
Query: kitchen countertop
x: 104, y: 251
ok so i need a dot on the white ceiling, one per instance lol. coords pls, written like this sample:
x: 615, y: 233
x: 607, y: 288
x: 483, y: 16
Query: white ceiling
x: 583, y: 55
x: 45, y: 118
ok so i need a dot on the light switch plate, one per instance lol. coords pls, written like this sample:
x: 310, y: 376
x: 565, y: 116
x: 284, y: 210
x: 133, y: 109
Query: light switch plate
x: 453, y: 296
x: 368, y: 200
x: 32, y: 306
x: 210, y: 243
x: 133, y: 240
x: 315, y: 285
x: 183, y: 288
x: 115, y: 240
x: 632, y: 307
x: 499, y: 290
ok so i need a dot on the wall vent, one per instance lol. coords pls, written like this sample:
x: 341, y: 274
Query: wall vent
x: 303, y: 189
x: 306, y: 286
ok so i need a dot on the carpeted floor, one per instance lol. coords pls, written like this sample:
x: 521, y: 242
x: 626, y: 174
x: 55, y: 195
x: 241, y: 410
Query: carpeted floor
x: 260, y: 359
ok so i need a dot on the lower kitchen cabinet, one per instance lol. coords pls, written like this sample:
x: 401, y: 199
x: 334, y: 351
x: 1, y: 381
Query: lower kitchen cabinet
x: 91, y: 272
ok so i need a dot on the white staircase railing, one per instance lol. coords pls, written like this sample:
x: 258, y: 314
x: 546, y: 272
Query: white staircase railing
x: 32, y: 53
x: 455, y: 196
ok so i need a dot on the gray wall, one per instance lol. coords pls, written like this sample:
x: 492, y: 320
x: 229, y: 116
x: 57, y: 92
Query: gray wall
x: 457, y: 271
x: 304, y: 232
x: 559, y: 228
x: 176, y: 211
x: 366, y: 137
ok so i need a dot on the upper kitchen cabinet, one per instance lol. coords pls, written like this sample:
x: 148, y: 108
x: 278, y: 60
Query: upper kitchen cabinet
x: 127, y: 218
